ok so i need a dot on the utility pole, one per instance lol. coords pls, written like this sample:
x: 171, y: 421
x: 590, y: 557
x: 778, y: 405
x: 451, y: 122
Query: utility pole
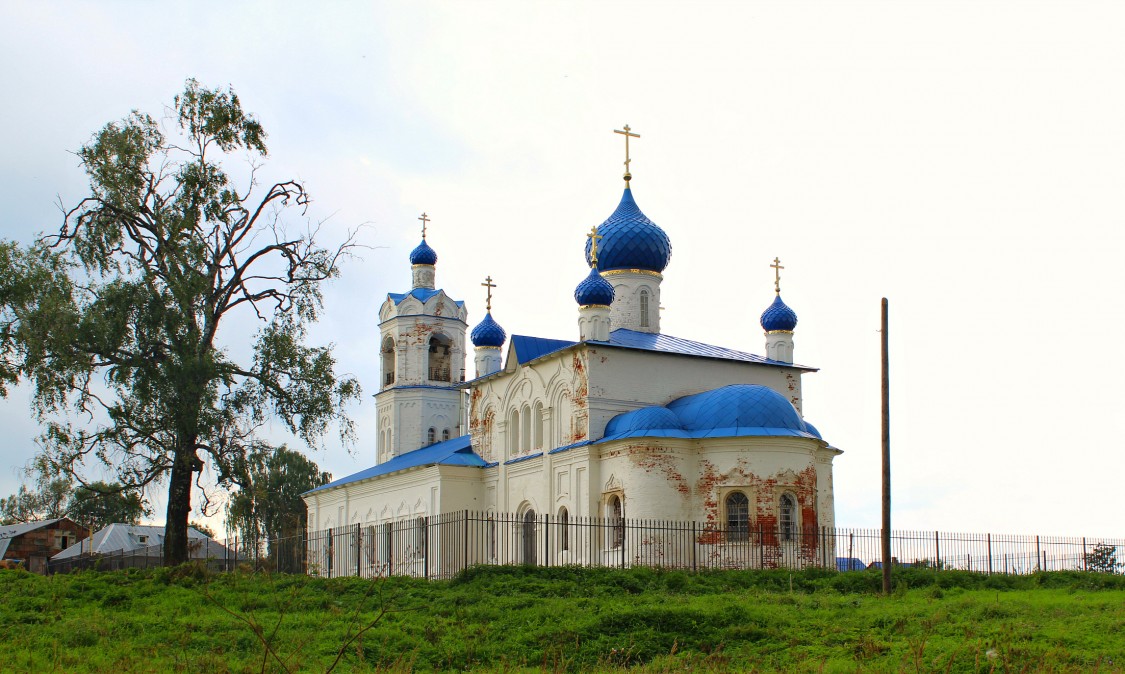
x: 886, y: 533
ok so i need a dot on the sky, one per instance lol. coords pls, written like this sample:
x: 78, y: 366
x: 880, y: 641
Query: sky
x: 962, y: 159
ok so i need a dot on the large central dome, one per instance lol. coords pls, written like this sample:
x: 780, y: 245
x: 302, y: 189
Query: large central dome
x: 630, y: 240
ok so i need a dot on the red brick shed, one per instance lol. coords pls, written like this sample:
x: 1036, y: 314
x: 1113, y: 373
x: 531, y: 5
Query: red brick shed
x: 36, y: 542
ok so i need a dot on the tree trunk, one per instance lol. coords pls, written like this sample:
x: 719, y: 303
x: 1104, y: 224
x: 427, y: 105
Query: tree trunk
x: 179, y: 506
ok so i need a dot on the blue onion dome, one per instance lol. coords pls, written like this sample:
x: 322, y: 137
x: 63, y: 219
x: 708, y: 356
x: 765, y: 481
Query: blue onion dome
x: 423, y: 254
x: 778, y: 317
x: 488, y: 333
x: 630, y: 240
x: 594, y: 290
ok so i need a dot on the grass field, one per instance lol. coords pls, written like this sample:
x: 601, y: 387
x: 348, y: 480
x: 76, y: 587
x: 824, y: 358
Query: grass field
x: 563, y: 619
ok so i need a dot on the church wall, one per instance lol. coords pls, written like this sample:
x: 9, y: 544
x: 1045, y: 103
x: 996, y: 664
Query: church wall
x: 624, y: 379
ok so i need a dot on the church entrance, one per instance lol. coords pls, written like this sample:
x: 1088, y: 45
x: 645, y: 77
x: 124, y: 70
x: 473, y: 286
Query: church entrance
x: 528, y: 538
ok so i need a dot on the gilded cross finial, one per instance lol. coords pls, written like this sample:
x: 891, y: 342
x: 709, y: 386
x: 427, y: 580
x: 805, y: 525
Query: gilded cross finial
x: 424, y: 218
x: 776, y: 266
x: 628, y: 135
x: 594, y: 237
x: 490, y: 285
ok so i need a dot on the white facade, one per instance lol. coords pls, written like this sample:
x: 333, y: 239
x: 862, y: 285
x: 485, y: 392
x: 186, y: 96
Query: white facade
x: 622, y: 422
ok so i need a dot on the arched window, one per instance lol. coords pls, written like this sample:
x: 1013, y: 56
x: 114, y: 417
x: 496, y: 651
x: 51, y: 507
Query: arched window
x: 787, y: 517
x: 644, y: 309
x: 445, y: 434
x: 528, y: 556
x: 537, y: 434
x: 738, y: 516
x: 617, y: 521
x: 388, y: 350
x: 564, y: 529
x: 525, y: 429
x: 439, y: 358
x: 431, y: 436
x: 514, y: 433
x: 419, y: 537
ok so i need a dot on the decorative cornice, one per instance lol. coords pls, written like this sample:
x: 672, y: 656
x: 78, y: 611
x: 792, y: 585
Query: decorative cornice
x: 486, y: 348
x: 594, y: 306
x: 644, y: 272
x: 779, y: 332
x: 416, y: 266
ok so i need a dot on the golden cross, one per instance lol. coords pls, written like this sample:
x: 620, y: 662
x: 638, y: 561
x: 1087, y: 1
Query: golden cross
x: 776, y: 266
x: 490, y: 285
x: 593, y: 236
x: 425, y: 218
x: 627, y: 135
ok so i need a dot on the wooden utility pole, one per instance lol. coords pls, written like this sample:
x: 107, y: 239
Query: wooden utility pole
x: 886, y: 460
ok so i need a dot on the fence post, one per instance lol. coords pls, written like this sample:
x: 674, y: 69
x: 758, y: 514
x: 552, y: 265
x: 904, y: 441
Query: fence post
x: 937, y: 551
x: 1085, y: 559
x: 425, y: 547
x: 694, y: 551
x: 625, y: 535
x: 358, y: 550
x: 851, y: 550
x: 1037, y: 554
x: 546, y: 540
x: 465, y: 559
x: 989, y: 554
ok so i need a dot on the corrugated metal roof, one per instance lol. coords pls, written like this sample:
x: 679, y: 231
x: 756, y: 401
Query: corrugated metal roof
x: 7, y: 533
x: 120, y: 536
x: 453, y: 452
x: 529, y: 348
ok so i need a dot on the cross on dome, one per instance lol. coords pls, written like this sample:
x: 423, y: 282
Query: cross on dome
x: 776, y: 266
x: 490, y: 285
x: 627, y: 133
x: 594, y: 237
x: 425, y: 219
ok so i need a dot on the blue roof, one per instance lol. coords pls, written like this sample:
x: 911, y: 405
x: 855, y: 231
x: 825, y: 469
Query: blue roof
x: 850, y: 564
x: 423, y: 254
x: 488, y: 333
x: 730, y: 411
x: 630, y: 240
x: 778, y: 316
x: 530, y: 348
x: 594, y: 290
x: 455, y: 452
x: 423, y: 295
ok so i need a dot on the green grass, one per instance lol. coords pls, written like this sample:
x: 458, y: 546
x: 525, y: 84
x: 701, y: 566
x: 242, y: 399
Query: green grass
x: 563, y: 619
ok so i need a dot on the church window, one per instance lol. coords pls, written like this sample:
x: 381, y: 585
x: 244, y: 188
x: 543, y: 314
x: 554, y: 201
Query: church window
x: 439, y: 358
x: 787, y: 517
x: 445, y: 434
x: 388, y: 350
x: 388, y: 542
x: 738, y: 516
x: 420, y: 537
x: 525, y: 429
x: 431, y: 436
x: 564, y: 529
x: 514, y: 433
x: 369, y: 543
x: 644, y: 309
x: 616, y: 520
x: 537, y: 440
x: 528, y: 536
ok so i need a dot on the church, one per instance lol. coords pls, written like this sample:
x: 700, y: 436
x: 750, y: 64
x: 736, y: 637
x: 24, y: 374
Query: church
x: 622, y: 423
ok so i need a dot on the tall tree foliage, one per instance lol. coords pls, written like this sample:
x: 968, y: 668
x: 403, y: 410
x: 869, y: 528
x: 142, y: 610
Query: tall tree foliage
x: 268, y: 503
x: 99, y: 504
x: 116, y: 318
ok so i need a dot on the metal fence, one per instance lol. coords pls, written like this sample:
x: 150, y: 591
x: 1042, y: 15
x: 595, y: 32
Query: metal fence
x: 443, y: 545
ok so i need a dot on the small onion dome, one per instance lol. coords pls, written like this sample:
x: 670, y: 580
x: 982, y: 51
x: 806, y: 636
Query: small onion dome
x: 594, y: 290
x: 488, y: 333
x: 629, y: 240
x: 423, y: 254
x: 778, y: 317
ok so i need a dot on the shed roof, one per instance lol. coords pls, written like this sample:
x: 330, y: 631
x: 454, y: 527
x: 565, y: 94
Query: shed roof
x: 10, y: 532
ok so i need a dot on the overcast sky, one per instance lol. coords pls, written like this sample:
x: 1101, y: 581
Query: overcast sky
x: 964, y: 159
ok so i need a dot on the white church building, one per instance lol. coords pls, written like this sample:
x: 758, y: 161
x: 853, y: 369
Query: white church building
x: 621, y: 424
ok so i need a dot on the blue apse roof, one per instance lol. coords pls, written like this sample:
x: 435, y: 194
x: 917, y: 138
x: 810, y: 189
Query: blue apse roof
x: 530, y: 348
x: 421, y: 294
x: 455, y: 452
x: 738, y: 410
x: 850, y: 564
